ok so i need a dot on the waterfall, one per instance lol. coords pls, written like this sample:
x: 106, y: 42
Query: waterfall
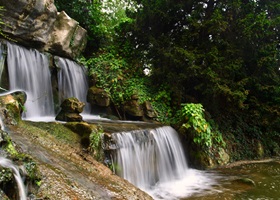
x: 2, y: 125
x: 2, y: 60
x: 6, y: 163
x: 72, y: 81
x: 29, y: 71
x: 154, y: 161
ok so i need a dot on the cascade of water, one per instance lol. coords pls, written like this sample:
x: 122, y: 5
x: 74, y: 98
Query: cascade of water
x: 72, y: 81
x: 2, y: 124
x: 29, y: 71
x: 2, y: 60
x: 157, y: 156
x: 154, y: 161
x: 4, y: 162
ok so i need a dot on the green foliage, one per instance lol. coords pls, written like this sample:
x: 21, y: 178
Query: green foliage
x: 96, y: 138
x: 1, y: 22
x: 6, y: 175
x: 192, y: 116
x: 2, y: 10
x: 32, y: 171
x: 109, y: 70
x: 161, y: 102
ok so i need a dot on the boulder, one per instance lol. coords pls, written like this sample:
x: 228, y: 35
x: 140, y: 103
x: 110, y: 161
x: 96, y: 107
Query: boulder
x: 83, y: 129
x: 29, y: 21
x: 70, y: 110
x: 37, y: 24
x: 133, y: 108
x: 148, y: 110
x: 67, y: 37
x: 72, y: 105
x: 98, y: 96
x: 11, y: 106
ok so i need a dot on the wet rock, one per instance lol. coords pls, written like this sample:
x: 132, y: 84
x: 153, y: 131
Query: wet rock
x: 133, y: 108
x: 29, y: 21
x: 223, y: 157
x: 245, y: 181
x: 69, y: 117
x: 11, y: 106
x: 70, y: 110
x: 72, y: 105
x: 37, y: 24
x: 98, y: 96
x: 67, y: 37
x: 83, y: 129
x: 148, y: 110
x: 260, y: 149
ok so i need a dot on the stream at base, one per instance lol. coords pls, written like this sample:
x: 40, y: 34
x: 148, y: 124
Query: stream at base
x: 249, y: 181
x: 256, y: 181
x: 153, y: 160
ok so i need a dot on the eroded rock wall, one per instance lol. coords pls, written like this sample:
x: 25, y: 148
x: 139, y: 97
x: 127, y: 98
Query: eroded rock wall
x: 37, y: 24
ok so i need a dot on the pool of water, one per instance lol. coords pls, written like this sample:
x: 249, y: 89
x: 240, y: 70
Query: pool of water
x: 256, y: 181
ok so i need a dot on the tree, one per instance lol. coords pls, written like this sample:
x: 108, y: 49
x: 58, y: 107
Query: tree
x: 224, y: 54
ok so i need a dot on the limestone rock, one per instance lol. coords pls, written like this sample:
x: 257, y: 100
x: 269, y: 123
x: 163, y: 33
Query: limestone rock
x: 133, y: 108
x: 245, y: 181
x: 29, y: 21
x: 67, y: 38
x: 81, y: 128
x: 37, y: 24
x: 69, y: 117
x: 97, y: 96
x: 224, y: 157
x: 148, y: 110
x: 70, y: 110
x: 11, y: 106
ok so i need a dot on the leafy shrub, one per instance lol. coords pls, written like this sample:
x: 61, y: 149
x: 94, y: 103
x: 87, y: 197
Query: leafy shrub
x: 192, y: 117
x: 96, y: 138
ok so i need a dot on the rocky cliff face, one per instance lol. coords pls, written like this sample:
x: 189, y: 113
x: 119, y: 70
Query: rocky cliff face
x: 37, y: 24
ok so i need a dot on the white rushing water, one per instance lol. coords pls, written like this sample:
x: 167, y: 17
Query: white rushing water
x: 6, y: 163
x: 2, y: 123
x: 154, y: 161
x: 2, y: 60
x: 72, y: 81
x: 29, y: 71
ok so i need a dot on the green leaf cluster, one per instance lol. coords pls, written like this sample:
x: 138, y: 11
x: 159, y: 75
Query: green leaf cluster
x: 1, y: 22
x: 193, y: 115
x: 96, y: 138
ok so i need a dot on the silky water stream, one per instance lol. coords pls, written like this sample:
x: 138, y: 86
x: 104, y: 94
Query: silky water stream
x: 154, y: 161
x: 6, y: 163
x: 29, y: 70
